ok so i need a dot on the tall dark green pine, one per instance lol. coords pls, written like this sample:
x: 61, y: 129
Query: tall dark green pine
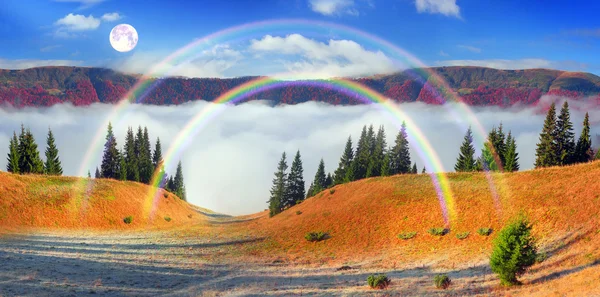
x: 488, y: 159
x: 146, y: 167
x: 583, y: 150
x: 179, y: 183
x: 328, y: 181
x: 361, y: 158
x: 414, y: 168
x: 320, y: 181
x: 131, y: 159
x: 276, y: 201
x: 385, y: 167
x: 345, y: 163
x: 546, y: 149
x: 170, y: 185
x: 137, y: 148
x: 310, y: 191
x: 423, y: 171
x: 110, y: 160
x: 29, y: 156
x: 157, y: 161
x: 13, y: 155
x: 294, y: 192
x: 122, y: 166
x: 511, y: 156
x: 89, y: 174
x: 400, y: 154
x: 376, y: 160
x: 97, y: 174
x: 53, y: 165
x: 564, y: 137
x: 466, y: 158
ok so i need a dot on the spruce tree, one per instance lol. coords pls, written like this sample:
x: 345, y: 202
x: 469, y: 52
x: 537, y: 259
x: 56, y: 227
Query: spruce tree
x: 320, y: 181
x: 400, y: 154
x: 130, y: 157
x: 361, y: 159
x: 122, y: 166
x: 511, y: 156
x: 13, y: 155
x: 89, y: 174
x: 110, y: 159
x: 488, y: 160
x: 310, y: 191
x: 583, y: 150
x: 146, y: 167
x: 385, y: 167
x: 466, y: 157
x: 345, y: 163
x: 295, y: 184
x: 376, y: 160
x: 328, y: 181
x: 546, y: 149
x: 157, y: 163
x: 178, y: 183
x: 97, y: 174
x: 414, y: 168
x: 170, y: 185
x: 53, y: 165
x: 423, y: 171
x: 564, y: 137
x: 29, y: 156
x: 278, y: 188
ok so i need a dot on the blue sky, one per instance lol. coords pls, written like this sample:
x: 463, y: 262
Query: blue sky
x: 503, y: 34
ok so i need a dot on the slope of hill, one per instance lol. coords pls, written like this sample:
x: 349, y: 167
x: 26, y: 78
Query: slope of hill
x: 46, y: 86
x: 33, y: 201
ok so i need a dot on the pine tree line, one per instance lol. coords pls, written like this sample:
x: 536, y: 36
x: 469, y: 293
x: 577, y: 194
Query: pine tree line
x: 499, y: 153
x: 137, y: 162
x: 288, y: 188
x: 24, y: 156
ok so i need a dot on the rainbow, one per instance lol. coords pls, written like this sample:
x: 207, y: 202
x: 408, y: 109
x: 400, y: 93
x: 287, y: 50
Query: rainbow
x: 356, y: 90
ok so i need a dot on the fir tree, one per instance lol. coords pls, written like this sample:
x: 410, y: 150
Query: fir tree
x: 170, y: 185
x: 583, y: 150
x: 361, y: 158
x: 399, y: 154
x: 145, y: 165
x: 564, y: 137
x: 511, y: 156
x: 466, y: 157
x: 345, y: 163
x: 110, y: 159
x: 295, y: 184
x: 130, y: 157
x: 310, y: 191
x: 97, y: 174
x: 320, y: 181
x: 53, y: 165
x: 13, y: 155
x: 278, y: 188
x: 178, y: 183
x: 157, y: 163
x: 385, y: 167
x: 546, y: 149
x: 328, y: 181
x: 376, y: 160
x: 89, y: 174
x: 423, y: 171
x: 488, y: 160
x: 414, y: 168
x: 122, y: 166
x: 29, y: 156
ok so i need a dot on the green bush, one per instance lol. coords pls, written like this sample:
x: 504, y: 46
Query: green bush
x: 128, y: 220
x: 463, y: 235
x: 378, y: 281
x: 541, y: 257
x: 438, y: 231
x: 167, y: 218
x: 298, y: 212
x: 331, y: 191
x: 484, y: 231
x: 442, y: 281
x: 407, y: 235
x: 316, y: 236
x: 514, y: 251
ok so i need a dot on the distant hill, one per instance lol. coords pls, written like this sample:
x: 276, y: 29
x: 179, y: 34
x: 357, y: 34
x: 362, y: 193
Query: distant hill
x: 46, y: 86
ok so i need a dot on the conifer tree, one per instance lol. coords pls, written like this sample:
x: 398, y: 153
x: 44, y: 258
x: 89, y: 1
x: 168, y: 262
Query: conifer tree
x: 278, y: 188
x: 53, y: 165
x: 13, y: 155
x: 29, y: 156
x: 130, y: 157
x: 583, y: 150
x: 89, y: 174
x: 466, y: 157
x: 146, y: 167
x: 385, y: 167
x: 361, y: 158
x: 97, y: 174
x: 320, y: 181
x: 170, y: 185
x: 511, y: 156
x: 178, y: 183
x: 295, y: 184
x: 423, y: 171
x: 399, y: 154
x: 122, y: 166
x: 414, y: 168
x: 488, y: 160
x: 376, y: 160
x: 157, y: 163
x: 328, y: 181
x: 547, y: 148
x: 345, y: 163
x: 110, y: 160
x: 310, y: 191
x: 564, y: 137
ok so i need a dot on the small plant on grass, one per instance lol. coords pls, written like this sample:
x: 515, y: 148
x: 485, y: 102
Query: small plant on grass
x: 484, y: 231
x: 378, y: 281
x: 514, y: 251
x: 462, y: 235
x: 407, y: 235
x: 442, y: 281
x: 541, y: 257
x: 331, y: 191
x: 128, y: 220
x: 438, y: 231
x: 298, y: 212
x: 167, y: 218
x: 315, y: 236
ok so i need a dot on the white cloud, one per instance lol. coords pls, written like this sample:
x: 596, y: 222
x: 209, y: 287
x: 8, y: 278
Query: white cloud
x: 111, y: 17
x: 228, y: 166
x: 78, y: 22
x: 333, y: 7
x: 443, y: 54
x: 445, y: 7
x: 470, y: 48
x: 322, y: 60
x: 30, y: 63
x: 84, y: 3
x: 49, y: 48
x: 517, y: 64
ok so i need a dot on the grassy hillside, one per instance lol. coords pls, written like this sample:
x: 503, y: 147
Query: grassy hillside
x: 70, y: 202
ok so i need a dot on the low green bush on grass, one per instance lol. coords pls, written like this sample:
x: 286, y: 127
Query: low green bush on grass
x: 128, y: 220
x: 442, y: 281
x: 378, y: 281
x: 407, y: 235
x: 316, y: 236
x: 484, y: 231
x: 438, y: 231
x: 462, y: 235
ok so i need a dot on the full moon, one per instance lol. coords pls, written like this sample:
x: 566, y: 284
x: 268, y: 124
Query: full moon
x: 123, y: 38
